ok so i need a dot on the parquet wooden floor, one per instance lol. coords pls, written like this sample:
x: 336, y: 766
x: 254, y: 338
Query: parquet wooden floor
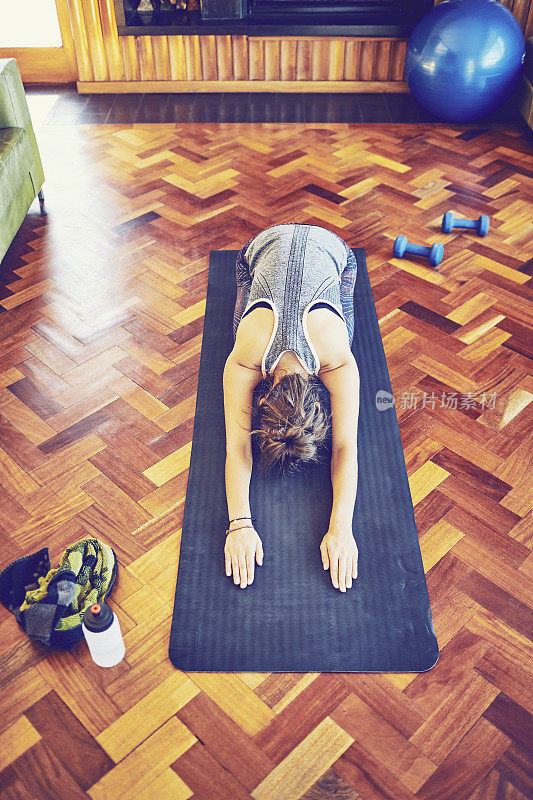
x: 103, y: 302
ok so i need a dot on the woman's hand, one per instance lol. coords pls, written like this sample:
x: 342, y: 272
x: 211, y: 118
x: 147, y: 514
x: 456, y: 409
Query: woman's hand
x: 339, y: 552
x: 242, y: 548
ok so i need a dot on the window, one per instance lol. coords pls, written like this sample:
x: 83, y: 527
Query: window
x: 31, y: 23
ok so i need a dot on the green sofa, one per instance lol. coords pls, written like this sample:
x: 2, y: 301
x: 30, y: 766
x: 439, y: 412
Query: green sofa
x: 21, y: 171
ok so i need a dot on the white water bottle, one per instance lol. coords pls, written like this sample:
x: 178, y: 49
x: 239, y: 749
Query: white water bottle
x: 102, y: 633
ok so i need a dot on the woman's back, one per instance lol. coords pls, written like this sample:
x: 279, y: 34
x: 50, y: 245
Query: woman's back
x: 295, y: 272
x: 327, y: 332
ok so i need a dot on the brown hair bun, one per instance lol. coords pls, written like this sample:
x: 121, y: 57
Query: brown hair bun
x: 291, y: 423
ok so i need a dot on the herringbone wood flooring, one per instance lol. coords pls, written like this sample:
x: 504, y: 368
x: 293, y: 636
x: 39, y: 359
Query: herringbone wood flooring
x: 103, y: 305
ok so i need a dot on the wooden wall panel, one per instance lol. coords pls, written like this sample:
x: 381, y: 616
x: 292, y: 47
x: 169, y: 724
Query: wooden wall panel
x: 97, y: 47
x: 367, y: 61
x: 256, y: 60
x: 224, y: 58
x: 351, y: 59
x: 146, y: 57
x: 397, y: 62
x: 272, y: 60
x: 193, y: 60
x: 336, y: 59
x: 115, y: 65
x: 303, y: 60
x: 382, y: 61
x: 288, y: 50
x: 319, y: 59
x: 240, y: 57
x: 81, y: 42
x: 208, y: 56
x: 161, y: 57
x: 176, y: 54
x: 130, y: 58
x: 103, y: 56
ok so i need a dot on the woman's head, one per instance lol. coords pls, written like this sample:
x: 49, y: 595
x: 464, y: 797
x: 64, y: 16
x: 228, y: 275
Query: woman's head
x: 291, y: 423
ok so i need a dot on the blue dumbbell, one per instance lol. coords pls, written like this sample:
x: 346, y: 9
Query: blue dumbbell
x: 434, y: 253
x: 481, y: 224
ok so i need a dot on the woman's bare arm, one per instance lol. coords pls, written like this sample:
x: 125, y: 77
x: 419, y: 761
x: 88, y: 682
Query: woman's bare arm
x: 243, y: 547
x: 238, y: 382
x: 343, y: 384
x: 338, y: 547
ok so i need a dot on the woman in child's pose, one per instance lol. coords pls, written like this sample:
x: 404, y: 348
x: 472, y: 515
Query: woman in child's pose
x: 293, y: 327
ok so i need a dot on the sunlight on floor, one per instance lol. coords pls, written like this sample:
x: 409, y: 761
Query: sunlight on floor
x: 40, y: 104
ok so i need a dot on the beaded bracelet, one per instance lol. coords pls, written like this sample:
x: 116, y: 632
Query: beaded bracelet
x: 236, y: 518
x: 230, y: 530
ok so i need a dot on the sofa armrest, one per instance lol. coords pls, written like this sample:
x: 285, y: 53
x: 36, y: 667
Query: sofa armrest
x: 14, y: 113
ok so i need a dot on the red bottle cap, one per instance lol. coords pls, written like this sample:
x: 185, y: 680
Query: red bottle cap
x: 96, y: 608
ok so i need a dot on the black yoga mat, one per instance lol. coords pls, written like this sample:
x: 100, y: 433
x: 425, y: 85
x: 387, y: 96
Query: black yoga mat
x: 292, y: 618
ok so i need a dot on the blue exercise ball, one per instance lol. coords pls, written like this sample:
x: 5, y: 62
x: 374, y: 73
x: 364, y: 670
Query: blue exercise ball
x: 464, y: 58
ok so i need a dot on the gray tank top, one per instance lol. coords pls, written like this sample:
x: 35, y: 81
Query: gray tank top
x: 294, y: 267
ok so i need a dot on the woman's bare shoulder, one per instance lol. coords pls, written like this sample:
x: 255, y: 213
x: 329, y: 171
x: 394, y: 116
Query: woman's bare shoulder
x: 253, y: 334
x: 329, y: 336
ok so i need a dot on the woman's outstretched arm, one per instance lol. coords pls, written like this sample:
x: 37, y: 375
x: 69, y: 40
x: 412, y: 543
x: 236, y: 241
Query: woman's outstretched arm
x: 238, y: 384
x: 243, y: 547
x: 338, y: 547
x: 343, y: 386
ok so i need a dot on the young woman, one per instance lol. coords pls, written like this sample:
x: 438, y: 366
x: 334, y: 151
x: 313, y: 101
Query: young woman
x: 293, y: 327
